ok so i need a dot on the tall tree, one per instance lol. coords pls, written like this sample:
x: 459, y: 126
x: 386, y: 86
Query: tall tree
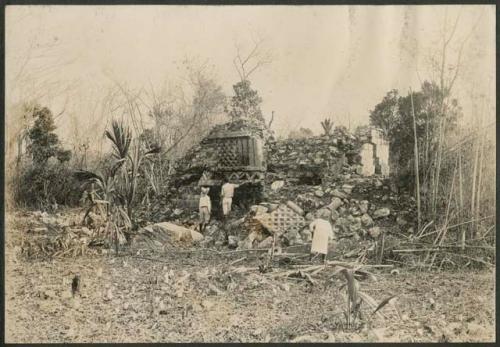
x: 44, y: 143
x: 245, y: 104
x: 393, y: 115
x: 385, y: 113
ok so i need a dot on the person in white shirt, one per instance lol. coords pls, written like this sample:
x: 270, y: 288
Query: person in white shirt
x: 227, y: 193
x: 321, y: 233
x: 205, y: 207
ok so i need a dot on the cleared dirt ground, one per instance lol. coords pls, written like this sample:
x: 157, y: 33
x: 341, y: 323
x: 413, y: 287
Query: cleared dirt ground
x: 202, y: 297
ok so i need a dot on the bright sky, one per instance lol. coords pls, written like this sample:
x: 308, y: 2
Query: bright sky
x: 328, y: 61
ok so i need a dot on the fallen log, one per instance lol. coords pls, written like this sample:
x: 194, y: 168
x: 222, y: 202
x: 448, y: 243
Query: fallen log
x: 440, y: 248
x: 203, y: 250
x: 237, y: 261
x: 244, y: 269
x: 288, y: 273
x: 443, y: 251
x: 346, y: 264
x: 301, y: 245
x: 318, y: 270
x: 292, y: 255
x: 415, y: 250
x: 244, y: 250
x: 470, y: 258
x: 353, y: 265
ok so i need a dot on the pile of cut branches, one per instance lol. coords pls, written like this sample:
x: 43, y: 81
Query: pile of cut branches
x: 49, y: 245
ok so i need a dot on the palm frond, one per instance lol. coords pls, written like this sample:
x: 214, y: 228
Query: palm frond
x: 153, y: 150
x: 84, y: 175
x: 371, y: 302
x: 121, y: 137
x: 352, y: 285
x: 365, y: 275
x: 116, y: 167
x: 124, y: 218
x: 385, y: 302
x: 327, y: 125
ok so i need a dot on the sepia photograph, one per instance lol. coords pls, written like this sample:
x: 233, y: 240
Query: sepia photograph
x: 250, y: 174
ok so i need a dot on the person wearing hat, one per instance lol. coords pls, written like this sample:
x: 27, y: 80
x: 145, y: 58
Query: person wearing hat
x: 205, y: 208
x: 321, y: 233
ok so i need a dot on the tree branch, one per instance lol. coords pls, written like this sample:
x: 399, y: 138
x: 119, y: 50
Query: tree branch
x: 271, y: 121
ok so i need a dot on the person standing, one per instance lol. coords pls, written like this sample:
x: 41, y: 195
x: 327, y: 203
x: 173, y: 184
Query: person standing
x: 205, y: 208
x: 321, y: 233
x: 88, y: 200
x: 227, y: 193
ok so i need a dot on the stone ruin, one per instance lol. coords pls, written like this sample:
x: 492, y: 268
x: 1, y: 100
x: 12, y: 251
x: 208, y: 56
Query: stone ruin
x: 375, y: 154
x: 284, y: 183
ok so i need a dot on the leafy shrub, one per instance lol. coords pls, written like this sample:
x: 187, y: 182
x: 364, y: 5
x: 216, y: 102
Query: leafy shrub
x: 42, y: 186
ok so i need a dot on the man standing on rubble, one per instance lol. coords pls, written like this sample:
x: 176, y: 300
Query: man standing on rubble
x: 321, y: 233
x: 205, y: 207
x: 227, y: 193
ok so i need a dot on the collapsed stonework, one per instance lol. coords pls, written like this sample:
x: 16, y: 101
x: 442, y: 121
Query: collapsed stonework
x: 296, y: 180
x: 312, y: 160
x: 246, y: 153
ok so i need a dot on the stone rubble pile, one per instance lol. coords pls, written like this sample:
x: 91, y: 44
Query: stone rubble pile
x: 318, y: 177
x: 312, y: 157
x: 295, y: 160
x: 179, y: 202
x: 360, y: 209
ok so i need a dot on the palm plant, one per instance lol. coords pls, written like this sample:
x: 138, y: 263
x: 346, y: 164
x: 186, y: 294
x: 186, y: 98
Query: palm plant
x: 121, y: 137
x: 117, y: 223
x: 128, y: 151
x: 327, y: 125
x: 355, y: 297
x: 118, y: 184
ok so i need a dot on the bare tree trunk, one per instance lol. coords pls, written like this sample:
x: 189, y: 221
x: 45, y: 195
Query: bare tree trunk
x: 19, y: 148
x: 417, y: 178
x: 441, y: 236
x: 446, y: 89
x: 426, y: 142
x: 438, y: 163
x: 271, y: 121
x: 426, y: 165
x: 473, y: 192
x: 479, y: 181
x: 461, y: 200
